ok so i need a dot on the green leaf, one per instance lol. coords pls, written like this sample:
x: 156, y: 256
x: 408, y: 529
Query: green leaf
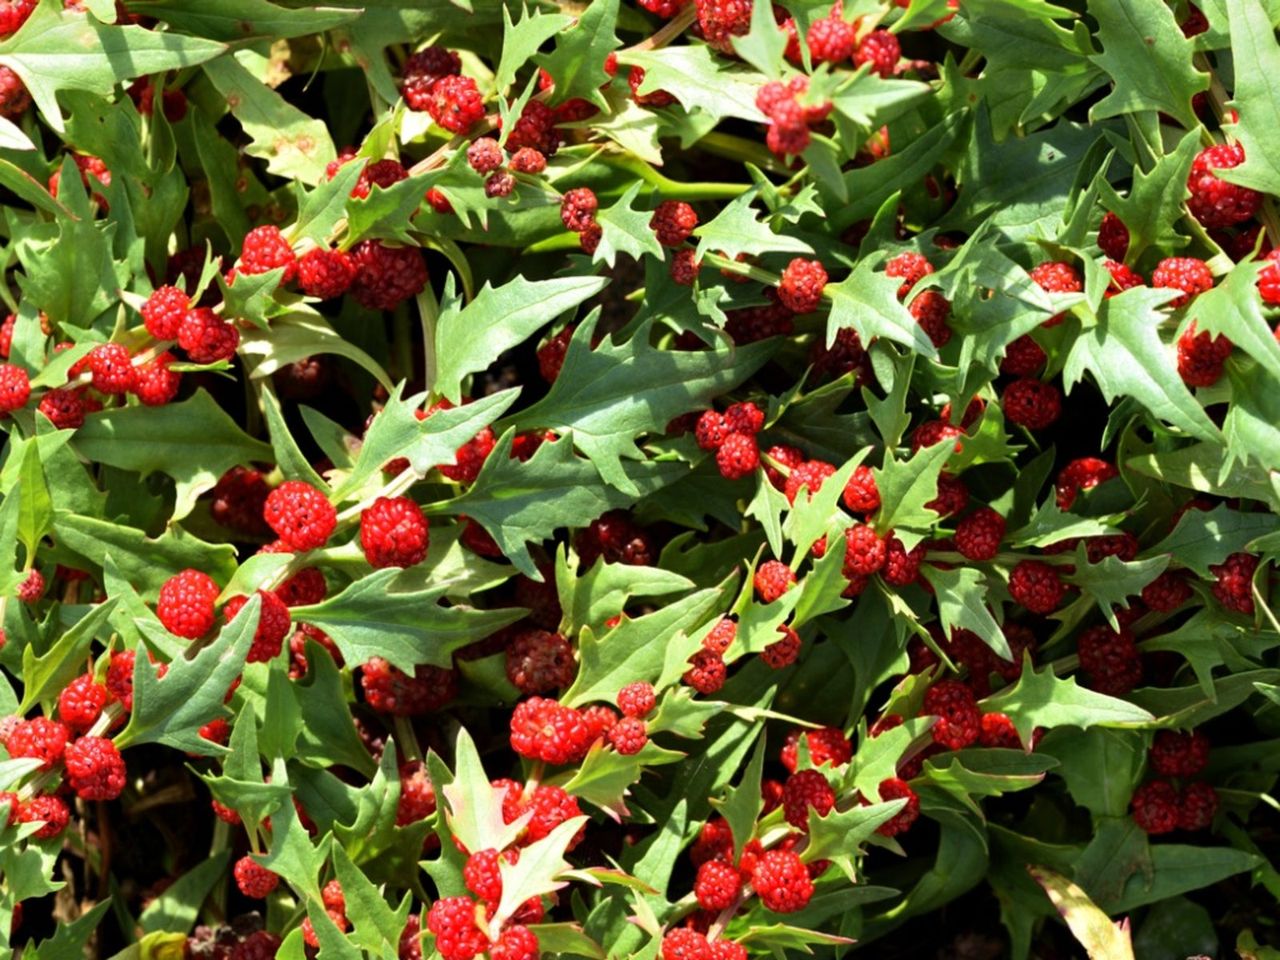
x: 635, y: 649
x: 474, y: 805
x: 605, y: 777
x: 322, y: 209
x: 1092, y: 928
x: 145, y: 562
x: 521, y: 503
x: 963, y: 605
x: 537, y: 871
x: 327, y: 736
x: 372, y: 618
x: 737, y: 229
x: 297, y: 336
x: 1149, y: 59
x: 1040, y: 699
x: 577, y: 62
x: 498, y: 318
x: 171, y: 709
x: 764, y: 43
x: 1100, y: 766
x: 610, y: 395
x: 47, y: 53
x: 35, y: 508
x: 604, y: 590
x: 905, y: 487
x: 1126, y: 356
x: 45, y: 677
x: 1153, y: 207
x: 520, y: 41
x: 293, y: 144
x: 1256, y: 58
x: 292, y: 854
x: 193, y: 441
x: 1112, y: 581
x: 625, y: 229
x: 867, y: 301
x: 233, y: 21
x: 69, y: 939
x: 742, y: 804
x: 177, y: 908
x: 291, y: 460
x: 375, y: 924
x: 1204, y: 538
x: 700, y: 80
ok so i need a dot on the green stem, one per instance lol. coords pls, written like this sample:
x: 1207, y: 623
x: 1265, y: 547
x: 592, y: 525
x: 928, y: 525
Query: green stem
x: 744, y: 269
x: 429, y: 314
x: 740, y: 148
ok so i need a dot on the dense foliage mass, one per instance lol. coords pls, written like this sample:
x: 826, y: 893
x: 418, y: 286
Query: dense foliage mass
x: 681, y: 479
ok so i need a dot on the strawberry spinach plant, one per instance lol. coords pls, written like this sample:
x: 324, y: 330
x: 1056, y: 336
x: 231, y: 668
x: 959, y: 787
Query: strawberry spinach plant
x: 656, y: 479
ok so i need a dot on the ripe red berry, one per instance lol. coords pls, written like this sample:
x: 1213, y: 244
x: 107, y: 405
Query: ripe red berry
x: 1268, y: 281
x: 830, y: 39
x: 895, y: 789
x: 1113, y: 237
x: 673, y: 221
x: 998, y: 731
x: 325, y: 273
x: 1187, y: 274
x: 628, y: 736
x: 1122, y: 278
x: 825, y: 745
x: 206, y: 338
x: 64, y: 408
x: 861, y: 495
x: 273, y: 625
x: 543, y: 729
x: 185, y: 605
x: 1176, y: 754
x: 1201, y: 356
x: 81, y: 701
x: 744, y: 418
x: 484, y: 155
x: 1036, y: 586
x: 800, y: 288
x: 254, y: 880
x: 911, y: 268
x: 901, y: 566
x: 879, y: 48
x: 422, y: 70
x: 1031, y: 403
x: 721, y: 636
x: 1111, y: 659
x: 265, y: 249
x: 1197, y: 806
x: 706, y: 672
x: 453, y: 921
x: 120, y: 678
x: 388, y: 689
x: 14, y: 96
x: 393, y: 533
x: 637, y: 699
x: 1084, y: 473
x: 154, y: 382
x: 959, y: 722
x: 685, y: 943
x: 300, y: 515
x: 717, y: 885
x: 979, y: 534
x: 539, y: 661
x: 95, y: 768
x: 578, y: 208
x: 455, y: 103
x: 1167, y: 592
x: 932, y: 310
x: 1213, y: 201
x: 1155, y: 807
x: 15, y: 388
x: 864, y: 551
x: 773, y: 578
x: 384, y: 276
x: 417, y: 794
x: 804, y: 790
x: 515, y: 942
x: 809, y: 475
x: 721, y: 19
x: 781, y: 881
x: 738, y: 456
x: 782, y: 653
x: 1056, y: 276
x: 527, y: 160
x: 163, y: 312
x: 482, y: 875
x: 1234, y: 586
x: 684, y: 267
x: 49, y: 811
x: 536, y: 129
x: 38, y: 739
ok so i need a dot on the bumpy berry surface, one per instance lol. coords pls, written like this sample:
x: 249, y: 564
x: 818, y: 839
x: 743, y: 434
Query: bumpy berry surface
x: 1031, y: 403
x: 1187, y: 274
x: 1215, y: 202
x: 801, y: 286
x: 539, y: 661
x: 781, y: 881
x: 805, y: 790
x: 1155, y: 807
x: 390, y: 690
x: 879, y: 48
x: 386, y: 276
x: 274, y: 621
x: 186, y: 603
x: 959, y: 722
x: 1036, y: 586
x: 81, y: 701
x: 773, y: 578
x: 300, y: 515
x: 393, y: 533
x: 978, y: 535
x: 325, y: 273
x: 163, y: 312
x: 896, y: 789
x: 95, y: 769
